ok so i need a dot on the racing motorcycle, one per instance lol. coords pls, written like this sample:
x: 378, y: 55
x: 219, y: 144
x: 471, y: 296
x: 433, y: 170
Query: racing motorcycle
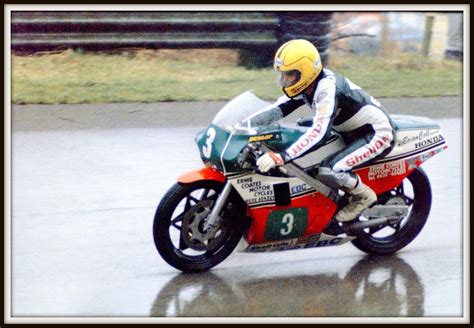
x: 209, y: 211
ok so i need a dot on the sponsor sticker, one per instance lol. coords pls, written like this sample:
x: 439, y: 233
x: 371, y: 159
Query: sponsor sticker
x: 415, y: 161
x: 299, y: 188
x: 263, y: 137
x: 318, y: 240
x: 310, y: 137
x: 255, y: 191
x: 372, y: 150
x: 422, y: 138
x: 429, y: 142
x: 387, y: 170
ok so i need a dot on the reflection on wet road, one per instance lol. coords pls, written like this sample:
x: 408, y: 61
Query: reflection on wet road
x: 372, y: 287
x: 83, y: 202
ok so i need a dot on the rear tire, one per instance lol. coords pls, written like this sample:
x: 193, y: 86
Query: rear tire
x: 409, y: 227
x: 184, y: 251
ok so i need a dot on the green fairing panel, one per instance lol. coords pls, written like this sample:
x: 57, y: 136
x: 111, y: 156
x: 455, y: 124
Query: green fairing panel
x: 234, y: 148
x: 288, y: 136
x: 217, y: 145
x: 216, y: 142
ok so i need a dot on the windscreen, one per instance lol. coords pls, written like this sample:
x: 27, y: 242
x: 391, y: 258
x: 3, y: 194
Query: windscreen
x: 236, y: 112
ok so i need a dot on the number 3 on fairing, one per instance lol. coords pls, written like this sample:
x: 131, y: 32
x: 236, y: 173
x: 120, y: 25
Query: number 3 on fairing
x: 289, y: 220
x: 207, y: 148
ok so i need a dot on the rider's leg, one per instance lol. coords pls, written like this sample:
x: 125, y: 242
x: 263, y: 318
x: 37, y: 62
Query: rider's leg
x: 362, y: 196
x: 336, y: 170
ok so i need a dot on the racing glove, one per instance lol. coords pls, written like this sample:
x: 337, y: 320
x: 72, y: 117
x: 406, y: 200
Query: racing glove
x: 268, y: 161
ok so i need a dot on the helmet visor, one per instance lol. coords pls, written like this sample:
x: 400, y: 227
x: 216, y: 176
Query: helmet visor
x: 288, y: 78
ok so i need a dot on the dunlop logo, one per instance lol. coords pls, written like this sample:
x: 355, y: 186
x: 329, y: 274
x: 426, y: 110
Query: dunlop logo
x: 262, y: 137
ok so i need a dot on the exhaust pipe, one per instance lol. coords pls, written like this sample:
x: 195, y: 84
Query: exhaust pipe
x: 350, y: 229
x: 367, y: 224
x: 381, y: 215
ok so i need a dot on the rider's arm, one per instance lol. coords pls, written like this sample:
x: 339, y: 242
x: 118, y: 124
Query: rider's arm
x: 324, y: 104
x: 281, y: 108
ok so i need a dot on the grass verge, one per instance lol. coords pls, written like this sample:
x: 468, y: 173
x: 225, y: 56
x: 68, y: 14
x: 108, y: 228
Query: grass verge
x: 195, y: 75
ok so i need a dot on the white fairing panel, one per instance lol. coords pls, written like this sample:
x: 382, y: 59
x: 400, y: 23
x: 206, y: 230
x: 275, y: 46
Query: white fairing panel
x: 258, y: 190
x: 311, y: 158
x: 414, y: 135
x: 411, y: 142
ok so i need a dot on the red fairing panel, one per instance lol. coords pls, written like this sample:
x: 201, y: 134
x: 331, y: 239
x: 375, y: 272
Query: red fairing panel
x: 205, y: 173
x: 386, y: 176
x: 381, y: 185
x: 311, y: 213
x: 320, y: 210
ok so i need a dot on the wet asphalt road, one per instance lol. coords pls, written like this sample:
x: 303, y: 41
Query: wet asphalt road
x: 85, y: 183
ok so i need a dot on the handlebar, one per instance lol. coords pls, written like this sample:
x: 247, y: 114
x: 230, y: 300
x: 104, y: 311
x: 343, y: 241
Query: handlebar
x: 283, y: 170
x: 288, y: 169
x: 243, y: 159
x: 255, y: 149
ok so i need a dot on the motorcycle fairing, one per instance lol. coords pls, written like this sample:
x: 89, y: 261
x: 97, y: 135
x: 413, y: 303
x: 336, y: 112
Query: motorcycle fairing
x: 316, y: 240
x: 215, y: 146
x: 309, y: 209
x: 205, y: 173
x: 380, y: 177
x: 389, y: 174
x: 221, y: 147
x: 307, y: 215
x: 258, y: 190
x: 417, y: 140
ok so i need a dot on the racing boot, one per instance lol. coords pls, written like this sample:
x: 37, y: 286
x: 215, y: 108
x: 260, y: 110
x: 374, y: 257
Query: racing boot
x: 362, y: 196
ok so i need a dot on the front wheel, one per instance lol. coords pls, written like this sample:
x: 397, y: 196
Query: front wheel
x: 178, y: 226
x: 414, y: 191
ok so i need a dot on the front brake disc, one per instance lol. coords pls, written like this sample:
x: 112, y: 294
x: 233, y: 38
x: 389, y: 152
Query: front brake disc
x: 192, y: 229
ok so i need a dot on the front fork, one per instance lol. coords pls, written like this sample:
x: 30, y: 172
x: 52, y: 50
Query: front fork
x: 218, y: 205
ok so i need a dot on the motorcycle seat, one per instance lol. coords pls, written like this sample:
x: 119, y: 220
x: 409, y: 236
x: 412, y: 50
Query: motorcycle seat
x: 409, y: 122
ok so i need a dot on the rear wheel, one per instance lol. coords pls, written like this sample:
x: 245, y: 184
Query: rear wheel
x: 178, y: 226
x: 414, y: 191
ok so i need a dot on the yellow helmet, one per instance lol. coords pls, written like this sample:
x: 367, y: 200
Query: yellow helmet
x: 298, y: 64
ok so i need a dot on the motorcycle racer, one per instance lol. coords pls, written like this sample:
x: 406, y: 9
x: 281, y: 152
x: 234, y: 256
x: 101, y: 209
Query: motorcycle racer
x: 337, y: 103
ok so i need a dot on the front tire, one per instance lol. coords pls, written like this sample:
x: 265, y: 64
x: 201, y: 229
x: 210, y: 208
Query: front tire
x: 177, y: 226
x: 414, y: 191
